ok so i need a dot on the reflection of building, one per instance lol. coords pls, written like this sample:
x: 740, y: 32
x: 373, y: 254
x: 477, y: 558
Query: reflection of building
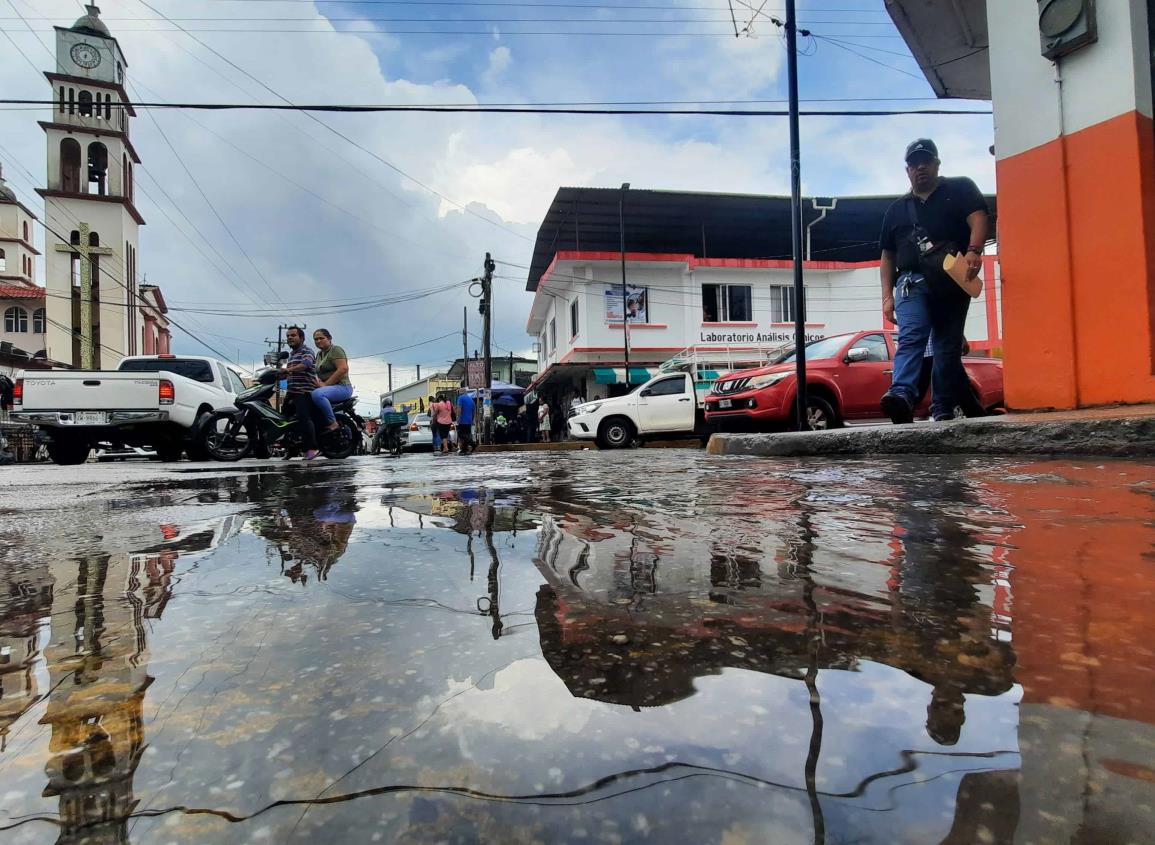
x: 97, y: 668
x: 26, y: 597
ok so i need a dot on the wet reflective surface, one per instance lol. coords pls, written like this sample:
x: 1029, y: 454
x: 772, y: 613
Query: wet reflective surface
x: 654, y: 646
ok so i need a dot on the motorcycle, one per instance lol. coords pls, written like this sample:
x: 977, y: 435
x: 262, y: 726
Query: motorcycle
x: 389, y: 435
x: 255, y: 427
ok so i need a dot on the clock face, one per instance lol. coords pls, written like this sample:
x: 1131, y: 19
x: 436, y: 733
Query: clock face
x: 85, y: 55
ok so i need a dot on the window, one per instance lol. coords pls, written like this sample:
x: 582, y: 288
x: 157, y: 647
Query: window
x: 38, y: 321
x: 782, y: 304
x: 3, y: 261
x: 196, y: 370
x: 26, y: 233
x: 875, y: 344
x: 668, y: 386
x: 97, y: 168
x: 70, y: 165
x: 727, y: 304
x: 15, y: 320
x: 573, y: 319
x: 552, y: 335
x: 85, y: 100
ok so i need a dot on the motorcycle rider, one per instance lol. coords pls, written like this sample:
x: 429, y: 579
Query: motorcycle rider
x: 302, y: 371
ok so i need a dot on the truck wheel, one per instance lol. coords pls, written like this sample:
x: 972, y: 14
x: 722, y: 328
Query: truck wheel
x: 68, y: 453
x: 616, y: 433
x: 820, y: 414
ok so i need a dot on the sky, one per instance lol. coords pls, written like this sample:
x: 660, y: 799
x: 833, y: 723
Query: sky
x: 279, y: 217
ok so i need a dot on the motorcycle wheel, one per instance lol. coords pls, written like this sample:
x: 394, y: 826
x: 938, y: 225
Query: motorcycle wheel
x: 224, y: 443
x: 341, y: 443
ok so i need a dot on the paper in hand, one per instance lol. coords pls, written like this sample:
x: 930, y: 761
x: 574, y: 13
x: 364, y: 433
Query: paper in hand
x: 956, y: 267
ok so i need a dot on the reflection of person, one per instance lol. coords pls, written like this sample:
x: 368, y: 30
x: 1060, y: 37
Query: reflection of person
x: 312, y: 529
x: 938, y: 216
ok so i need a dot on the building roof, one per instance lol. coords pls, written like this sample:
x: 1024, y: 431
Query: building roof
x: 948, y: 39
x: 704, y: 225
x: 21, y: 292
x: 91, y: 23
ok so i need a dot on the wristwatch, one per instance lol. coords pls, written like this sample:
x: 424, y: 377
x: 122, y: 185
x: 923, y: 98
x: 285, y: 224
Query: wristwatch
x: 977, y: 249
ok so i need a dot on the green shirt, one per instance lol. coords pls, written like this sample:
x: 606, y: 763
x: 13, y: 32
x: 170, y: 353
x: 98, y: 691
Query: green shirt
x: 327, y: 363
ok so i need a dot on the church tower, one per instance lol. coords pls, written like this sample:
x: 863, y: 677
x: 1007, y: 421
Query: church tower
x: 92, y: 222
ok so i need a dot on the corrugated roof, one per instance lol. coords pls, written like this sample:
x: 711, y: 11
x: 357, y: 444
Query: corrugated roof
x: 705, y: 225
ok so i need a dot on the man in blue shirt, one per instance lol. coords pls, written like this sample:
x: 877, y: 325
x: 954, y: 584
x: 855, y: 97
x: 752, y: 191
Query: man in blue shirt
x: 465, y: 441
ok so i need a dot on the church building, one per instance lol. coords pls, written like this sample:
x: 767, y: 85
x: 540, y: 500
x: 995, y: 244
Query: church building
x: 91, y: 221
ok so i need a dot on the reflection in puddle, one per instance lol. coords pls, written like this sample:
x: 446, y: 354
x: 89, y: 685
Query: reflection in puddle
x: 668, y: 648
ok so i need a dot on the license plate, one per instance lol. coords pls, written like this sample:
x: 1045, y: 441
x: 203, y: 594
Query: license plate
x: 90, y: 418
x: 725, y: 403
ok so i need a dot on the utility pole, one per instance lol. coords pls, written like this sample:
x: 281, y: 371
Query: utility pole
x: 625, y: 310
x: 389, y: 369
x: 802, y: 416
x: 486, y: 334
x: 465, y: 346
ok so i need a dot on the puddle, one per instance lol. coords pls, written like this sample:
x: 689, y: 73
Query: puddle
x: 587, y: 647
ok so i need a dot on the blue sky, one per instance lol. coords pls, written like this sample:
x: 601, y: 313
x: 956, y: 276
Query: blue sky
x: 323, y: 220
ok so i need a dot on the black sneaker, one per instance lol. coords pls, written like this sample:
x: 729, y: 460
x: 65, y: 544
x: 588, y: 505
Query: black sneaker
x: 897, y: 408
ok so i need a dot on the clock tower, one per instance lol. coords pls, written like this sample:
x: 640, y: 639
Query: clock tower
x: 92, y: 221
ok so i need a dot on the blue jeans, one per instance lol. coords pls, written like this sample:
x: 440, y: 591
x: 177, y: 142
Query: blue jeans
x: 921, y: 310
x: 324, y: 396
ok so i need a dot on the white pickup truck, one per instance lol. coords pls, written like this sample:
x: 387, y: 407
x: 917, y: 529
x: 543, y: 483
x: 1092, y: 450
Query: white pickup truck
x: 666, y: 405
x: 149, y: 400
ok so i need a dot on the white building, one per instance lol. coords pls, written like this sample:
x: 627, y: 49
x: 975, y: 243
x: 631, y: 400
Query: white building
x: 706, y: 272
x: 90, y: 220
x: 21, y: 300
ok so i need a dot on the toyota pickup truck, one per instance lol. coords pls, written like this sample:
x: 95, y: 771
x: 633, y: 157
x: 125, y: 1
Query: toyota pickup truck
x: 149, y: 400
x: 846, y: 376
x: 666, y: 405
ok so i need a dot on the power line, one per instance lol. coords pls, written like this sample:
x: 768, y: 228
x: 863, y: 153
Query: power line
x: 370, y: 109
x: 339, y: 134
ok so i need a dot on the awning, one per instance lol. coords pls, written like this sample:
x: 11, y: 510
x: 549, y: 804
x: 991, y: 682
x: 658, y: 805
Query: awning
x: 617, y: 375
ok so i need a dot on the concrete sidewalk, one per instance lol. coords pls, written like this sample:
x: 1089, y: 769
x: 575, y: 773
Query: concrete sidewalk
x: 1119, y: 432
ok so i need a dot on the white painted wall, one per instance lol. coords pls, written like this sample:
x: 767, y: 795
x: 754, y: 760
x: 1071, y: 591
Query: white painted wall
x: 1099, y: 82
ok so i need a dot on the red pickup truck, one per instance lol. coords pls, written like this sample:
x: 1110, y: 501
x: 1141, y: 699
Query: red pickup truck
x: 846, y: 376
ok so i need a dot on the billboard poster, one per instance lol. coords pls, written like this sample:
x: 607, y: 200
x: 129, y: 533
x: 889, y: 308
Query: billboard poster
x: 637, y: 304
x: 475, y: 373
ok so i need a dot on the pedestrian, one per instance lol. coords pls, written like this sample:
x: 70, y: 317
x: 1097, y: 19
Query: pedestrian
x: 971, y: 405
x: 333, y: 383
x: 465, y: 410
x: 543, y: 426
x: 940, y: 216
x: 442, y: 409
x: 302, y: 371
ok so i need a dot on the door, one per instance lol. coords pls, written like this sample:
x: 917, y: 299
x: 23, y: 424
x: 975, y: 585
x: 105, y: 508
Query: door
x: 667, y: 404
x: 866, y: 377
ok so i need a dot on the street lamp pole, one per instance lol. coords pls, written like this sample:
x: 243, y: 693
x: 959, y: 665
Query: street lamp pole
x: 625, y: 311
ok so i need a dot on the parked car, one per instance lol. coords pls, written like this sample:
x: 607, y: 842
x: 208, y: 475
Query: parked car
x: 149, y: 400
x: 420, y: 433
x: 119, y: 452
x: 665, y: 406
x: 846, y: 376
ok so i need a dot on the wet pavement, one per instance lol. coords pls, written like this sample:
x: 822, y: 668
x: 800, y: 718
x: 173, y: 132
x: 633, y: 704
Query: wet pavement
x: 660, y: 646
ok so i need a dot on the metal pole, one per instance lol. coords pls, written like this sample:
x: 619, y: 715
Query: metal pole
x: 390, y: 371
x: 801, y: 417
x: 465, y: 346
x: 625, y: 313
x: 487, y: 292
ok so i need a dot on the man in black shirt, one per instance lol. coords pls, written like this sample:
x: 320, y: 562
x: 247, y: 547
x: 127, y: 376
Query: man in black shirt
x: 938, y: 215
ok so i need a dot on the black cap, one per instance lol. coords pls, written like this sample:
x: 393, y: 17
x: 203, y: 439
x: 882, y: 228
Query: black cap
x: 922, y: 145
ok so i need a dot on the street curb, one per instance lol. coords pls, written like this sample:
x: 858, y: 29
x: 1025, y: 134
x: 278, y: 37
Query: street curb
x: 1121, y: 437
x: 579, y: 445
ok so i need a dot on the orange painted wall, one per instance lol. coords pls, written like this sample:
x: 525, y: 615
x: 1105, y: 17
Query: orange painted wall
x: 1078, y: 264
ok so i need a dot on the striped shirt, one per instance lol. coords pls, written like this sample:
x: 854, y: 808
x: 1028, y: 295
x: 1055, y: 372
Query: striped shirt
x: 304, y: 381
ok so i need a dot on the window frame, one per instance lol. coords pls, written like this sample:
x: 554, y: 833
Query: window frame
x: 668, y: 379
x: 15, y: 320
x: 40, y: 315
x: 722, y: 302
x: 574, y: 317
x: 552, y: 335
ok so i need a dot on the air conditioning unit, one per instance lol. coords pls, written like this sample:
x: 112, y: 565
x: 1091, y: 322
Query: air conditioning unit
x: 1066, y: 26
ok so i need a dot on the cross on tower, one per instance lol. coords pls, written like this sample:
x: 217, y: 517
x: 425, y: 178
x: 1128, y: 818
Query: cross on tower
x: 85, y: 253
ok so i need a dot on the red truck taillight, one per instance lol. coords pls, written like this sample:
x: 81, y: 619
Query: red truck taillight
x: 18, y: 393
x: 166, y: 392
